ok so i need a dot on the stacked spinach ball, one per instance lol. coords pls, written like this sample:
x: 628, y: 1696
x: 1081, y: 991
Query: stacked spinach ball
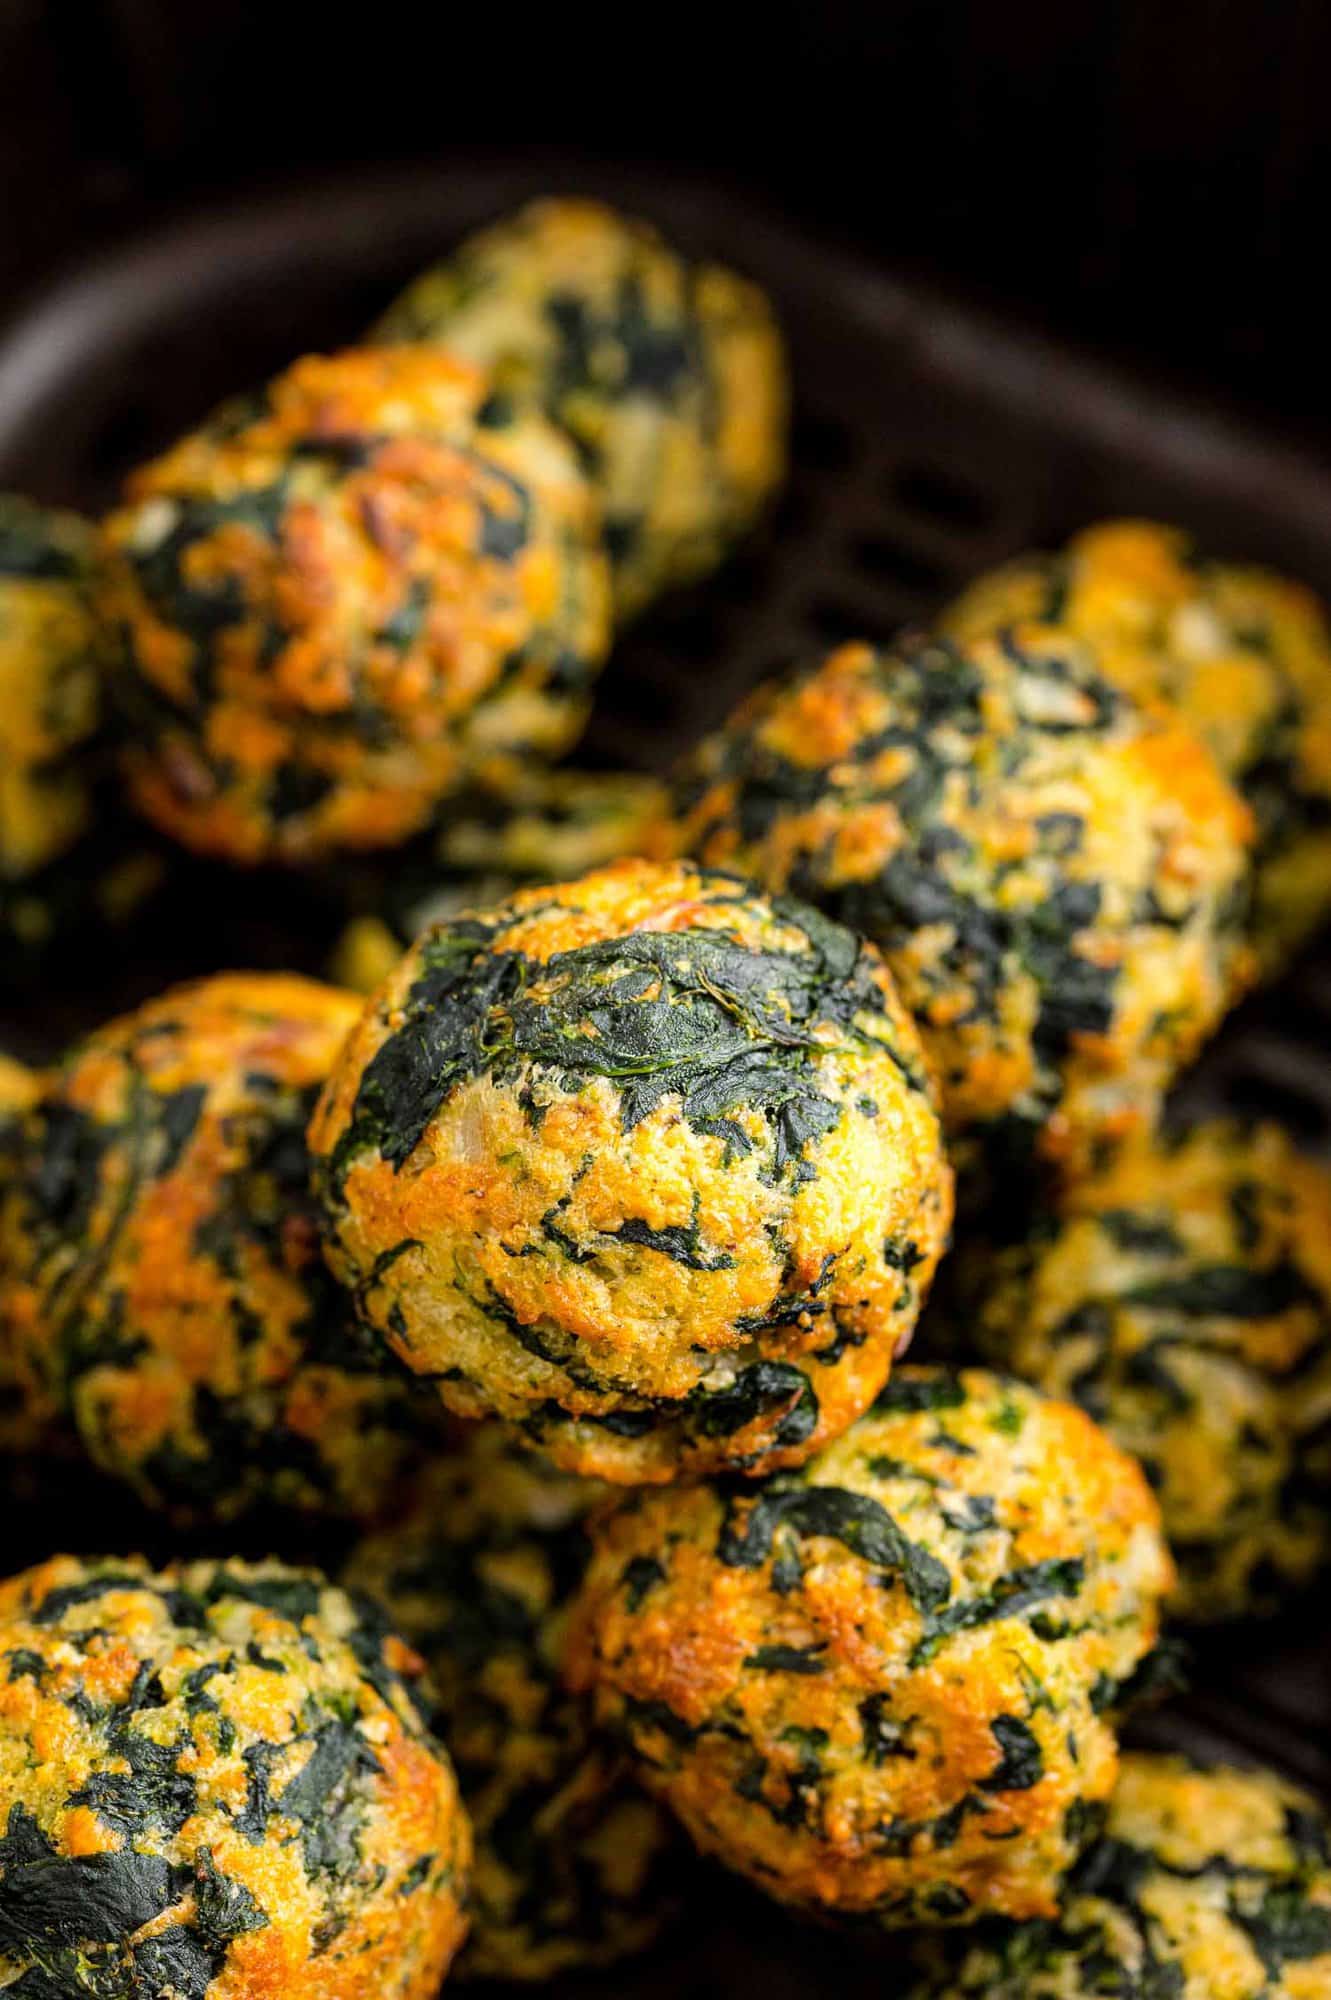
x: 340, y: 601
x: 164, y: 1289
x: 217, y: 1781
x: 1243, y: 655
x: 575, y: 1267
x: 669, y: 376
x: 1183, y: 1297
x: 1057, y: 876
x: 644, y: 1163
x: 885, y: 1686
x: 69, y: 863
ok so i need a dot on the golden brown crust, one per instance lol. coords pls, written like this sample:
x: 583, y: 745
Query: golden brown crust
x: 50, y: 685
x: 670, y: 377
x: 217, y: 1780
x: 167, y: 1290
x: 642, y: 1163
x: 343, y: 601
x: 1241, y: 654
x: 883, y: 1686
x: 1056, y: 877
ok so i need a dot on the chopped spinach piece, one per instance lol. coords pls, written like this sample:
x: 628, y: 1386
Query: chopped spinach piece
x: 861, y: 1523
x: 1020, y: 1763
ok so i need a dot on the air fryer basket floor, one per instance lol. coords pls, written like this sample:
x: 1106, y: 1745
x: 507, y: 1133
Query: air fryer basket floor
x: 931, y: 442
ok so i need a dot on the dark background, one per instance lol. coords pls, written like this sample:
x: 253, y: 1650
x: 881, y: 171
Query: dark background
x: 1149, y: 176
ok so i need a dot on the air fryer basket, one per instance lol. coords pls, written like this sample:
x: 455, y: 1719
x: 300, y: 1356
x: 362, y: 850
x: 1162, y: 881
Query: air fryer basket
x: 931, y: 442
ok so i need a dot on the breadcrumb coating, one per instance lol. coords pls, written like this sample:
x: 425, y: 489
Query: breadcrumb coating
x: 217, y: 1783
x: 884, y: 1687
x: 669, y: 376
x: 1241, y: 654
x: 644, y: 1163
x: 346, y: 598
x: 1057, y: 877
x: 166, y: 1287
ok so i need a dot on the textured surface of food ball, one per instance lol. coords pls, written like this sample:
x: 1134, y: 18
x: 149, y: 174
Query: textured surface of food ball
x: 669, y: 376
x: 1243, y: 654
x: 22, y: 1430
x: 884, y: 1687
x: 216, y: 1783
x: 60, y: 868
x: 166, y: 1285
x: 50, y: 684
x: 644, y: 1163
x: 541, y: 826
x: 1183, y: 1297
x: 569, y: 1855
x: 1209, y: 1885
x: 1057, y: 879
x: 345, y: 598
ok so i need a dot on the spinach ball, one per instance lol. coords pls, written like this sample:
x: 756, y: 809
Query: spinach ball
x: 215, y: 1781
x: 24, y: 1427
x: 1242, y: 655
x: 1183, y: 1298
x: 1056, y: 876
x: 1210, y: 1884
x: 885, y: 1687
x: 570, y: 1856
x: 50, y: 683
x: 165, y: 1282
x: 59, y: 870
x: 344, y: 598
x: 669, y: 376
x: 644, y: 1163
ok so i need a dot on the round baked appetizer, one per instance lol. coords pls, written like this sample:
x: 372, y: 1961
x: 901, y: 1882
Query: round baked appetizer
x: 1209, y: 1885
x: 1183, y: 1298
x: 53, y: 883
x: 540, y: 826
x: 217, y: 1784
x: 165, y: 1284
x: 644, y: 1163
x: 341, y: 600
x: 22, y: 1431
x: 50, y: 684
x: 570, y: 1856
x: 669, y: 376
x: 1243, y: 655
x: 1056, y: 877
x: 884, y: 1687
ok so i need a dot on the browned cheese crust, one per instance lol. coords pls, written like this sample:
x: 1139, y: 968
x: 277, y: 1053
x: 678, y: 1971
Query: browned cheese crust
x: 884, y: 1687
x: 644, y: 1163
